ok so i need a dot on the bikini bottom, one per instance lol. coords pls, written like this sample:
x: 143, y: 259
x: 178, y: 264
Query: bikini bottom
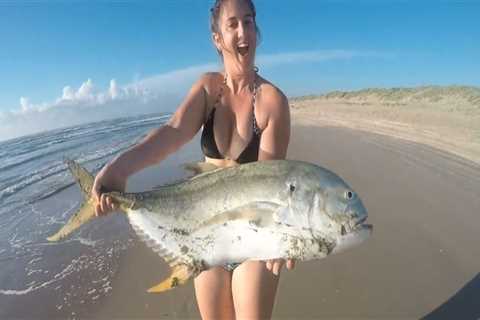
x: 231, y: 266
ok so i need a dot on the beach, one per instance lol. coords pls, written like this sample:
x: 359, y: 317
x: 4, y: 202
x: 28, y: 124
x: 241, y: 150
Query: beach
x: 419, y: 178
x: 422, y: 260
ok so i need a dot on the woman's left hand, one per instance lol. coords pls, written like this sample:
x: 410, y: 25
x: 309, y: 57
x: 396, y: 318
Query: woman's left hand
x: 276, y: 265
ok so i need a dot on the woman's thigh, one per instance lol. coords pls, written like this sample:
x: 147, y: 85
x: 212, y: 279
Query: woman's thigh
x: 253, y: 288
x: 213, y: 289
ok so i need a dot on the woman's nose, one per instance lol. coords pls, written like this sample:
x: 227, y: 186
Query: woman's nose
x: 241, y: 30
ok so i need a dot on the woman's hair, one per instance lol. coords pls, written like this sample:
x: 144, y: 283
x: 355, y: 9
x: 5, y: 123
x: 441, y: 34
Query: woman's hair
x: 215, y: 17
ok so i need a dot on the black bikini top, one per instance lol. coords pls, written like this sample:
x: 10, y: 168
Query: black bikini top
x: 209, y: 145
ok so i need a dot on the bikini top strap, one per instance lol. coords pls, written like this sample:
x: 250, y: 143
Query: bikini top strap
x: 256, y: 129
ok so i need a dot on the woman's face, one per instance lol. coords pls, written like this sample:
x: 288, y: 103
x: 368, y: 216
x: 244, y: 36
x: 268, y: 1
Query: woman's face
x: 238, y: 38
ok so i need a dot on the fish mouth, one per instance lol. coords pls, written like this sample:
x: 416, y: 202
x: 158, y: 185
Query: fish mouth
x: 353, y: 238
x: 355, y: 226
x: 360, y: 225
x: 361, y: 220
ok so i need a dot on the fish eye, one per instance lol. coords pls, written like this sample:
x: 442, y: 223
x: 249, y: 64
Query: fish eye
x: 349, y: 195
x: 292, y: 187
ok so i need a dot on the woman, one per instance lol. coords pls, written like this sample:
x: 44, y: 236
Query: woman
x: 245, y: 118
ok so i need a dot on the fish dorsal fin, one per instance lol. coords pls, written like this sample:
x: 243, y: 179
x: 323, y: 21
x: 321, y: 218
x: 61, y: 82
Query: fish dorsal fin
x: 259, y: 213
x: 180, y: 274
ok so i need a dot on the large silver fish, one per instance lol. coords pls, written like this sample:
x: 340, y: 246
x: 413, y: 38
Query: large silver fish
x: 258, y: 211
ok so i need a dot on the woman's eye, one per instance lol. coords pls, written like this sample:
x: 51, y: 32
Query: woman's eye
x: 249, y: 22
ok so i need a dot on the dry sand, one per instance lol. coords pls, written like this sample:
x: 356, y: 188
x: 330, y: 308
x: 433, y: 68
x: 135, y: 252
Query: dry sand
x: 417, y: 171
x: 446, y: 118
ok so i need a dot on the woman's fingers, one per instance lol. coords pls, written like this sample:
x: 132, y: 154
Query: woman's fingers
x: 103, y: 203
x: 110, y: 204
x: 269, y: 265
x: 290, y: 264
x: 98, y: 209
x: 96, y: 190
x: 277, y: 266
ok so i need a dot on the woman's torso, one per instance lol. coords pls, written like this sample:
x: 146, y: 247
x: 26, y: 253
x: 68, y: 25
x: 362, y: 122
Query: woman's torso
x: 233, y: 124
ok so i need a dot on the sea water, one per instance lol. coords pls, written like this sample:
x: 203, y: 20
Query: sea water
x: 37, y: 196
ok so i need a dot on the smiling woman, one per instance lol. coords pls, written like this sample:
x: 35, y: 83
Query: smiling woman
x: 245, y: 118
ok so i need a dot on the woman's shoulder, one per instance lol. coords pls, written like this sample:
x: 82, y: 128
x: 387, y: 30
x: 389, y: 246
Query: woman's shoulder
x: 271, y: 95
x: 210, y: 81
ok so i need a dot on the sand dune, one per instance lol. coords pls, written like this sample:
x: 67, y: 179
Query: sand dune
x: 447, y: 118
x: 454, y: 97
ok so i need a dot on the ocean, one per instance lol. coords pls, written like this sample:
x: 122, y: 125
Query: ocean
x: 37, y: 196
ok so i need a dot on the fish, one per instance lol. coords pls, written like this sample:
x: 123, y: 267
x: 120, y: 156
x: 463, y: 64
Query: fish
x: 263, y: 210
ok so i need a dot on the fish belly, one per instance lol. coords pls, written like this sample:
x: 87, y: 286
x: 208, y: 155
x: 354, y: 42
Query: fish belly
x: 157, y: 234
x: 215, y: 245
x: 237, y: 241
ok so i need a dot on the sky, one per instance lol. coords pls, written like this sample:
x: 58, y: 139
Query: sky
x: 69, y: 62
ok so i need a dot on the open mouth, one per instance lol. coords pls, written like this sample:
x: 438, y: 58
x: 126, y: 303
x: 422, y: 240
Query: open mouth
x: 243, y: 50
x: 356, y: 226
x: 361, y: 221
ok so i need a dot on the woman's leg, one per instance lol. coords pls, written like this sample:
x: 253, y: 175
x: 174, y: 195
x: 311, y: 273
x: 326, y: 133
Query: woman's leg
x: 253, y: 288
x: 213, y: 289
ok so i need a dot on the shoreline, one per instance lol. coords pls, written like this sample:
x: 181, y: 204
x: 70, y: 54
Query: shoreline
x: 455, y: 133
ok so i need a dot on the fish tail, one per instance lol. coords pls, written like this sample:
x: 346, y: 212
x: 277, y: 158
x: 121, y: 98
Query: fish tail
x: 180, y: 274
x: 86, y: 212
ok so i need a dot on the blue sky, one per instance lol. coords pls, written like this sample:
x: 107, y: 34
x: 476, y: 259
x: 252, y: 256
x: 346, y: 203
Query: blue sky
x: 308, y: 47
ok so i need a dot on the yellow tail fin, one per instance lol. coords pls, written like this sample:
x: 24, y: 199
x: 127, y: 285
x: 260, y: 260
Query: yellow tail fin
x: 181, y: 273
x: 87, y: 210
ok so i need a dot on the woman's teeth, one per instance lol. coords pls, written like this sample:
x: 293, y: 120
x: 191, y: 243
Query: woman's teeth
x: 243, y: 49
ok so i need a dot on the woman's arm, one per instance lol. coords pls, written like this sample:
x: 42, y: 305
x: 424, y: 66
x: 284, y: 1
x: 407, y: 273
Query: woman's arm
x: 157, y: 145
x: 274, y: 145
x: 160, y: 142
x: 276, y: 134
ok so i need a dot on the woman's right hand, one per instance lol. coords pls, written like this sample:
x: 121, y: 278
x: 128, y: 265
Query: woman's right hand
x: 110, y: 180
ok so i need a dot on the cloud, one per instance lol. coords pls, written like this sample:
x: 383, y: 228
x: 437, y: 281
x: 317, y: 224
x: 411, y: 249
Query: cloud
x: 24, y: 104
x: 270, y: 60
x: 155, y: 94
x: 277, y: 59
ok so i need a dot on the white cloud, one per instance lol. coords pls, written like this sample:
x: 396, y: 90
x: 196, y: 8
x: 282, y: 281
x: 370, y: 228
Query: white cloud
x: 86, y: 91
x: 269, y: 60
x: 160, y: 93
x: 113, y: 90
x: 68, y: 93
x: 276, y: 59
x: 24, y: 104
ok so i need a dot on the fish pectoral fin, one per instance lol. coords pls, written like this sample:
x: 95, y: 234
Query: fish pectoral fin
x: 181, y: 273
x: 83, y: 215
x: 259, y: 214
x: 198, y: 168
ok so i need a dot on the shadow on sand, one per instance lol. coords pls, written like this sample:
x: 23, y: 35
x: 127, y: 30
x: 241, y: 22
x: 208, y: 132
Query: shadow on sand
x: 465, y: 304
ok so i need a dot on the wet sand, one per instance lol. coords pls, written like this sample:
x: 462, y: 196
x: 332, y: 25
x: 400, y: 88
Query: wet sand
x: 422, y: 261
